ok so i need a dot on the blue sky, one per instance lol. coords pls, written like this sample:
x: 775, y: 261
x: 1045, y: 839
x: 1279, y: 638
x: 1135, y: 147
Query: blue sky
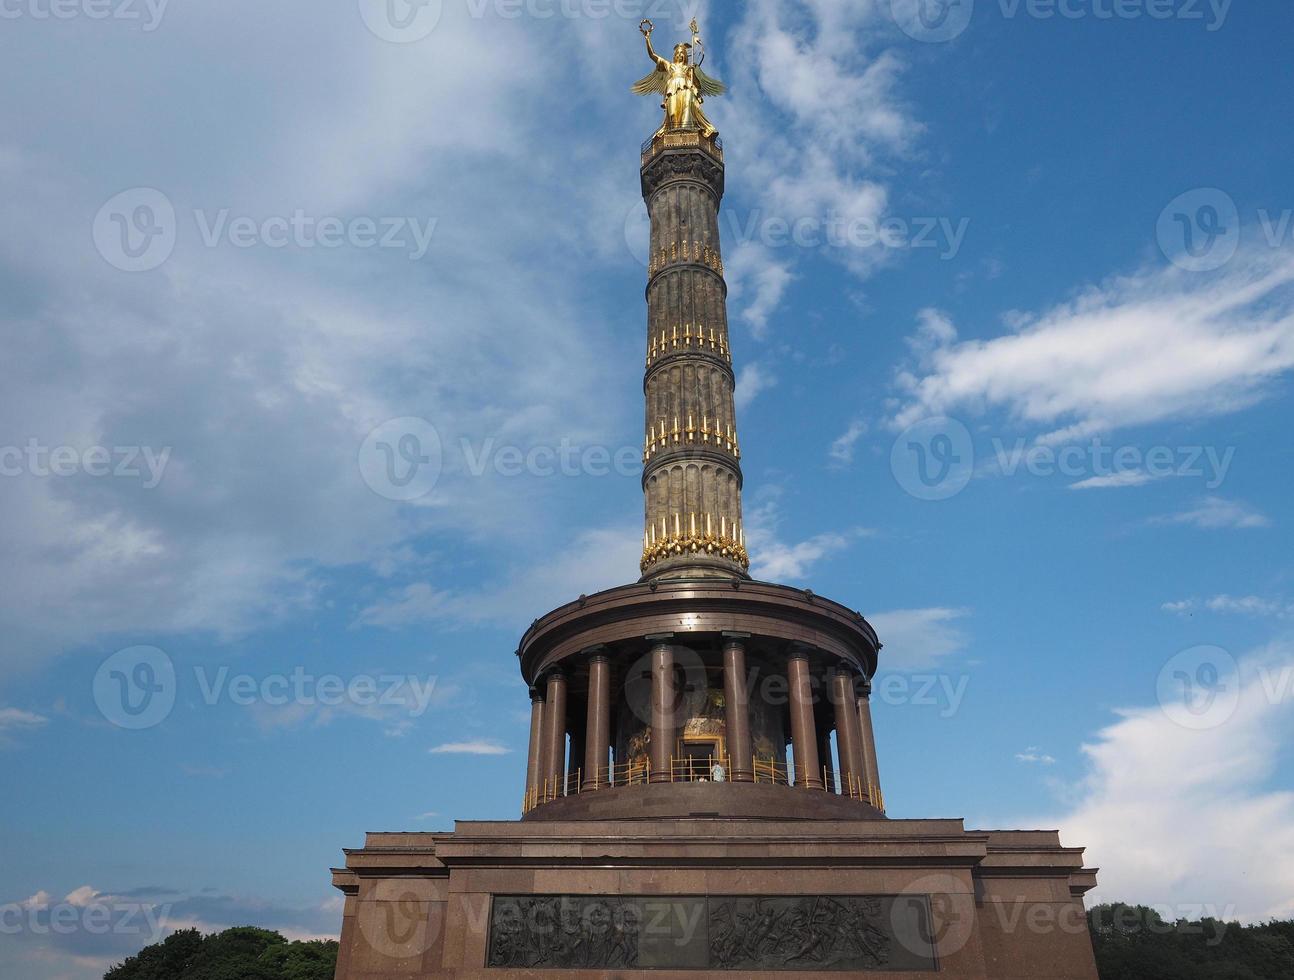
x: 1068, y: 235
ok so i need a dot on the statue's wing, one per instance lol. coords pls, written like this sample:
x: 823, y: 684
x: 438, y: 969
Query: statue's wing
x: 709, y: 85
x: 654, y: 81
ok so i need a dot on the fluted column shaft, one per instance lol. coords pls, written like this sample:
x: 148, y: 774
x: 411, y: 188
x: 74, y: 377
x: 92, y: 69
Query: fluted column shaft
x: 848, y: 734
x: 736, y: 707
x: 554, y: 755
x: 691, y: 454
x: 664, y: 699
x: 597, y: 739
x: 804, y: 735
x: 536, y: 743
x: 869, y: 741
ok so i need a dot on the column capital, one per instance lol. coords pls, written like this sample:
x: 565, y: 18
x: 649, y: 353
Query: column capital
x: 596, y: 654
x: 536, y: 696
x: 864, y: 688
x: 800, y: 651
x: 734, y: 638
x: 657, y: 639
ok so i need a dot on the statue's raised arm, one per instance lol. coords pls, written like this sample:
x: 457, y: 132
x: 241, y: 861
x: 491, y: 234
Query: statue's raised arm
x: 683, y: 84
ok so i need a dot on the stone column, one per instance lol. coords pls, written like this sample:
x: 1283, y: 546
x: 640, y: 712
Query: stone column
x: 849, y: 740
x: 868, y: 740
x: 741, y: 750
x: 597, y: 729
x: 554, y: 756
x: 804, y: 735
x: 664, y: 699
x: 533, y: 776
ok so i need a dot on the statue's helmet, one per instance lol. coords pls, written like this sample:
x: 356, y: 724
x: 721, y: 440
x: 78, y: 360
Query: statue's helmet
x: 681, y: 53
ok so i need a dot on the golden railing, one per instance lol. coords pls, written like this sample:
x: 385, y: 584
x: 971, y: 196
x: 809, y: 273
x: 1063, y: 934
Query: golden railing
x: 662, y: 437
x: 675, y: 138
x: 687, y: 336
x: 691, y: 769
x: 690, y: 251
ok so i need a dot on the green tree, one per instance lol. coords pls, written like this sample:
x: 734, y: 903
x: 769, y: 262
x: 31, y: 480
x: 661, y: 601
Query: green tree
x: 244, y: 953
x: 1135, y: 943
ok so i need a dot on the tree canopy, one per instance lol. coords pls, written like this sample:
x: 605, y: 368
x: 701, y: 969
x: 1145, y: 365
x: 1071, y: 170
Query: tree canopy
x: 244, y: 953
x: 1133, y: 942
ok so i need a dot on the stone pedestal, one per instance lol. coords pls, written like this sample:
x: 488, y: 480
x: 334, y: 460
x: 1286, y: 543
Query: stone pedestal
x: 715, y: 897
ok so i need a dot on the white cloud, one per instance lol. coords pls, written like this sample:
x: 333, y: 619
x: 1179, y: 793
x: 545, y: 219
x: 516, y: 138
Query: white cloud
x: 264, y: 369
x: 597, y: 559
x: 1172, y: 815
x: 1249, y: 605
x: 813, y: 105
x: 1158, y: 345
x: 1215, y: 513
x: 478, y: 747
x: 1123, y: 478
x: 916, y: 638
x: 756, y: 283
x: 751, y: 380
x: 775, y: 560
x: 1035, y: 756
x: 842, y: 449
x: 15, y: 719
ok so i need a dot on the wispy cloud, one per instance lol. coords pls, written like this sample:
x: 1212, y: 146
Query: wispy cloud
x: 1157, y: 345
x: 1249, y: 605
x: 1216, y: 513
x: 1123, y: 478
x: 842, y: 449
x: 751, y: 380
x: 916, y: 638
x: 16, y: 720
x: 478, y: 747
x: 1035, y: 756
x: 597, y: 559
x: 777, y: 560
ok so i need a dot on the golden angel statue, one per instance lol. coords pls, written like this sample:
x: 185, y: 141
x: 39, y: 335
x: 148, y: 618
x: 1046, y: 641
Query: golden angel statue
x: 683, y: 84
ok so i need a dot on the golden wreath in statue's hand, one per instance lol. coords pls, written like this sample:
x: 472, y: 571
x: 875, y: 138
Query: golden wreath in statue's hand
x: 646, y: 27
